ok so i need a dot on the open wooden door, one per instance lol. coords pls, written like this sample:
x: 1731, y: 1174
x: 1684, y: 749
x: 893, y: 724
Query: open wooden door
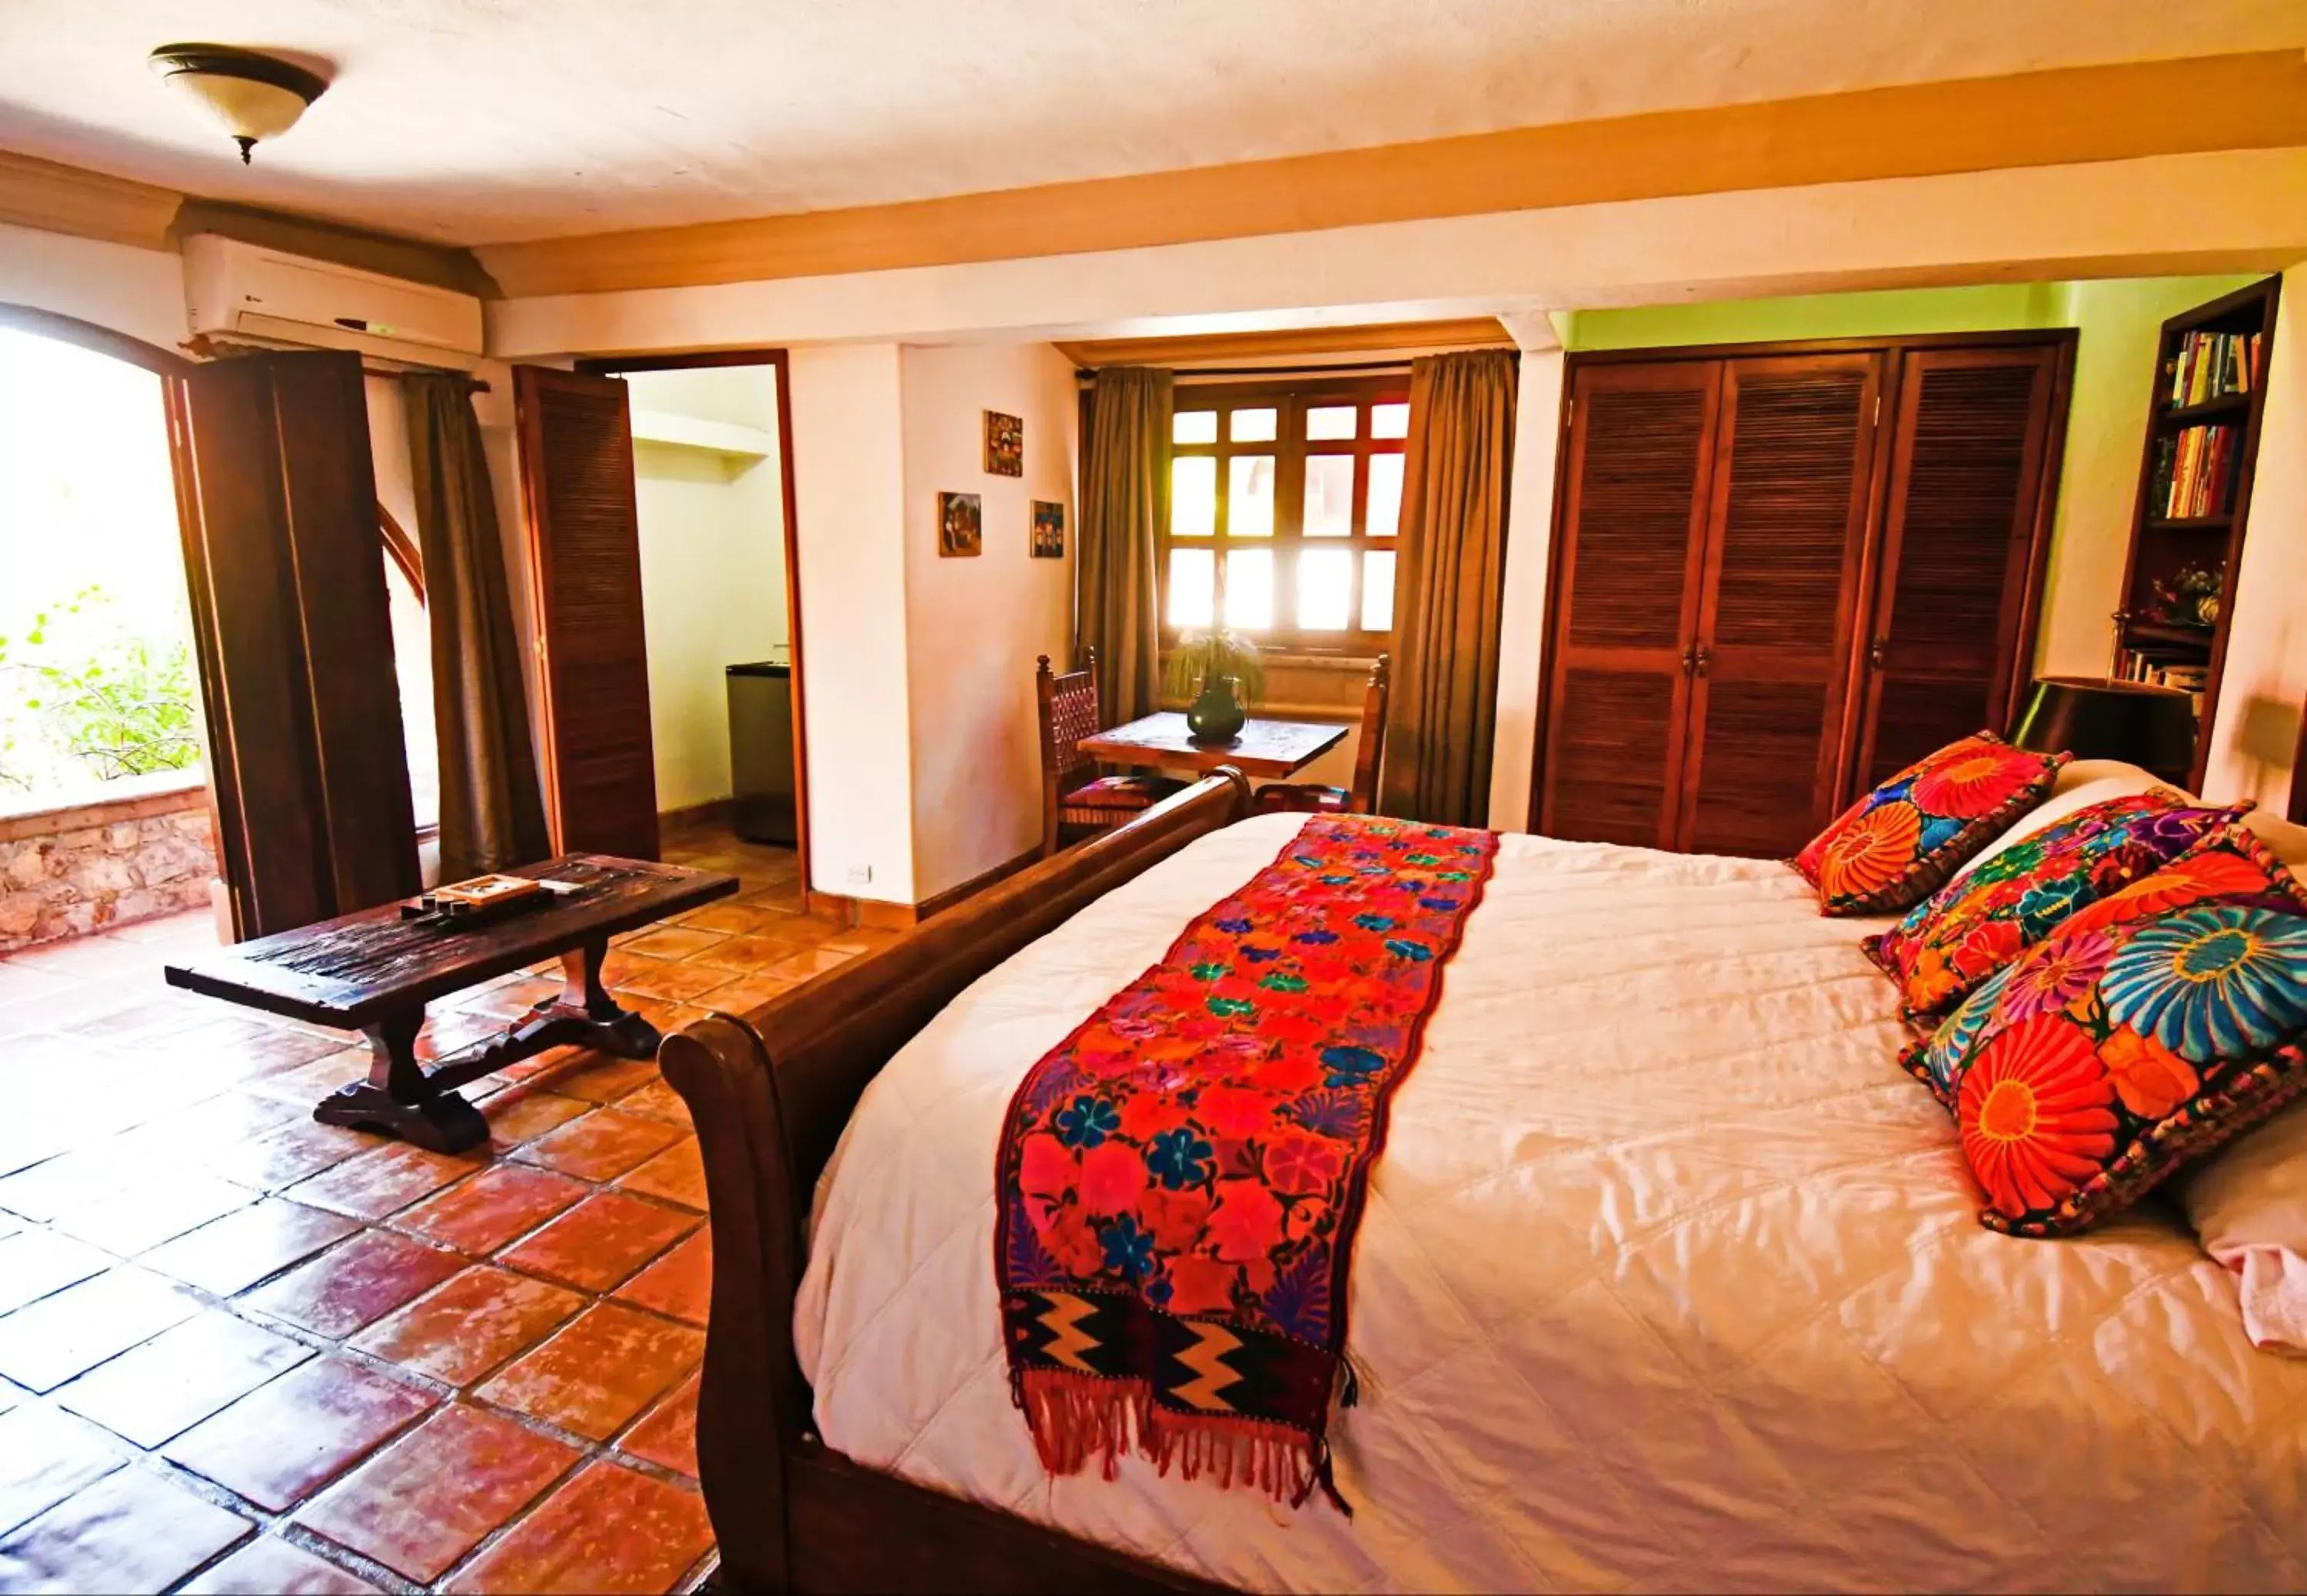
x: 1967, y: 511
x: 1786, y: 544
x: 584, y: 542
x: 1626, y: 605
x: 278, y: 499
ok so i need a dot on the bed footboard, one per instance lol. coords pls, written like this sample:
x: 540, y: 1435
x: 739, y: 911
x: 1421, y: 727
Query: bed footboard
x: 770, y: 1092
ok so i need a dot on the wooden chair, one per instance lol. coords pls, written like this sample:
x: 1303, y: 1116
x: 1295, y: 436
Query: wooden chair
x: 1077, y: 803
x: 1361, y: 797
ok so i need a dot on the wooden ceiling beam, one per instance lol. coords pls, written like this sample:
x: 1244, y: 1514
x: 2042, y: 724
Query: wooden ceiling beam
x: 1387, y: 338
x: 2058, y: 118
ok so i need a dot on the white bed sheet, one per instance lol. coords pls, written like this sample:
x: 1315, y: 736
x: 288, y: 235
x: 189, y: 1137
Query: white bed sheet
x: 1670, y: 1278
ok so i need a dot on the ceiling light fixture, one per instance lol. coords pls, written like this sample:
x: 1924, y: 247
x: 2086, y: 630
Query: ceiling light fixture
x: 251, y: 96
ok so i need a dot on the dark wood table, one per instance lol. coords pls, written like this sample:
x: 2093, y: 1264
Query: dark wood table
x: 374, y: 971
x: 1269, y: 749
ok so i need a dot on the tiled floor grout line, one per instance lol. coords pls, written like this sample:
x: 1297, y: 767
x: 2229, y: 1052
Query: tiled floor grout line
x: 85, y: 1006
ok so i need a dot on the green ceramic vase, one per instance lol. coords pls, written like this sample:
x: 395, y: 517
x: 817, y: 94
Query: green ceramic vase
x: 1217, y: 715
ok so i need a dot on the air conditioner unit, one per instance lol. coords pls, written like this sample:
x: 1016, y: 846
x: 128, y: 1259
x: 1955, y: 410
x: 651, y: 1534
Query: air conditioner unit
x: 245, y: 291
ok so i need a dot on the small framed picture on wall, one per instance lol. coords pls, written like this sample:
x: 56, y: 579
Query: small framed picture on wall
x: 961, y: 525
x: 1048, y: 530
x: 1005, y: 444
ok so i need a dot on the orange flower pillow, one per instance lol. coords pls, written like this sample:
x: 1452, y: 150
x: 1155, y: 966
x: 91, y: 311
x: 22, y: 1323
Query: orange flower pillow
x: 2144, y: 1031
x: 1898, y: 845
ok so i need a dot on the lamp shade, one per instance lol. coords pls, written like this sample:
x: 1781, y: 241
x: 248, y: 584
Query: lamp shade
x: 2092, y: 718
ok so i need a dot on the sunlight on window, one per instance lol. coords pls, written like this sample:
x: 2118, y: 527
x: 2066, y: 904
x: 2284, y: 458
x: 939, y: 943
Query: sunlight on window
x: 1194, y: 426
x: 1254, y: 426
x: 1330, y: 421
x: 1378, y: 591
x: 1329, y: 496
x: 1249, y: 587
x: 1193, y: 587
x: 96, y: 674
x: 1389, y: 421
x: 1193, y: 496
x: 1249, y: 501
x: 1325, y: 589
x: 1384, y: 495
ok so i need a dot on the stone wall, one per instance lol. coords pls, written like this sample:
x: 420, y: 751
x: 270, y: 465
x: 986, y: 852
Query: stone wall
x: 65, y: 871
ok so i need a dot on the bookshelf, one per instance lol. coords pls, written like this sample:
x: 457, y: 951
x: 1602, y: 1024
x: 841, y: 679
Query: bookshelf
x: 2194, y: 497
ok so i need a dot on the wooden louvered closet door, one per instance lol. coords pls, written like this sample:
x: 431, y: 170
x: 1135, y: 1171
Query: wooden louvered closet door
x: 1785, y: 547
x: 584, y: 537
x: 1973, y: 432
x: 1626, y: 607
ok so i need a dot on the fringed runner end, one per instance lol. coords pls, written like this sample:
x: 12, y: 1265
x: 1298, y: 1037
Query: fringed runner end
x: 1075, y: 1418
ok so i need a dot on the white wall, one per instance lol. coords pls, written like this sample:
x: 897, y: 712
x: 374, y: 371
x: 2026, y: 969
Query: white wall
x: 2041, y: 223
x: 2256, y: 732
x: 1529, y: 538
x: 974, y: 625
x: 138, y: 292
x: 713, y: 568
x: 849, y: 516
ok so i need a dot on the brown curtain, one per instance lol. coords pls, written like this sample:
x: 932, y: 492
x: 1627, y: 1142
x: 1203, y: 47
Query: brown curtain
x: 1125, y: 502
x: 1443, y: 716
x: 492, y: 814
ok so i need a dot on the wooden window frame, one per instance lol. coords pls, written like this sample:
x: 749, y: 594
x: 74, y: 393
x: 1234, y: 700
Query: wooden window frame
x: 1290, y: 399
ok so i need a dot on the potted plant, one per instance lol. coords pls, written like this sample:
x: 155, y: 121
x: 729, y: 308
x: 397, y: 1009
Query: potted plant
x: 1221, y: 670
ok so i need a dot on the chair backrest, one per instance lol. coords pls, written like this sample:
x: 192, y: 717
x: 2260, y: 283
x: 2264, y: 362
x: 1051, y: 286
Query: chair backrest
x: 1372, y: 746
x: 1069, y: 711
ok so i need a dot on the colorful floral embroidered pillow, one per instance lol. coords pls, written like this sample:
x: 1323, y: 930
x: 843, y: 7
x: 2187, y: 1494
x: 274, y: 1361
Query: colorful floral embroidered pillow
x: 1897, y: 845
x: 1979, y: 923
x: 2144, y: 1031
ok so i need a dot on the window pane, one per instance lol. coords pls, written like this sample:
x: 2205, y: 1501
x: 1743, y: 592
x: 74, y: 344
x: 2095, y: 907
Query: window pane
x: 1249, y: 503
x: 1331, y: 421
x: 1249, y: 588
x: 1389, y: 421
x: 1253, y: 426
x: 1384, y: 496
x: 1329, y: 496
x: 1378, y: 591
x: 1193, y: 496
x: 1194, y: 426
x: 1193, y: 579
x: 1325, y: 589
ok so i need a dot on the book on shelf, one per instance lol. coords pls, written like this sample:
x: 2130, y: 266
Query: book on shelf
x: 2211, y: 365
x: 2194, y: 472
x: 2154, y: 670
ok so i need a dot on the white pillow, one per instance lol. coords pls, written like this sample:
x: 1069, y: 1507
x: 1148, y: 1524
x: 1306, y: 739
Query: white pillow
x: 2249, y: 1208
x: 2285, y: 841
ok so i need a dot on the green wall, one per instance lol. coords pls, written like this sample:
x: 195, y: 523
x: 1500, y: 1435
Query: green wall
x: 1995, y: 308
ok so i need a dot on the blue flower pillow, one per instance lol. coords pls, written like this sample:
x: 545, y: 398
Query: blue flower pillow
x: 2144, y: 1031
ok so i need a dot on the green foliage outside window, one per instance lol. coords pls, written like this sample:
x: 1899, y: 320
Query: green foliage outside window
x: 103, y: 702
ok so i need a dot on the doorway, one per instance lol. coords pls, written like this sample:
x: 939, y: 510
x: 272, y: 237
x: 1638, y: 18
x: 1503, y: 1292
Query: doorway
x: 720, y: 601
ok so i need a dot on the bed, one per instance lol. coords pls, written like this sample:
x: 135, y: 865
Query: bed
x: 1670, y: 1278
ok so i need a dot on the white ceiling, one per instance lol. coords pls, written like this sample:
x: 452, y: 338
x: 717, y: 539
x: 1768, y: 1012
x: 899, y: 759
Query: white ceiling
x: 488, y: 121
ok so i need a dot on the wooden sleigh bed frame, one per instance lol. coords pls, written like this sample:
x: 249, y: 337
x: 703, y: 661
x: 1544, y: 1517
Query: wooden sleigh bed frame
x: 770, y: 1092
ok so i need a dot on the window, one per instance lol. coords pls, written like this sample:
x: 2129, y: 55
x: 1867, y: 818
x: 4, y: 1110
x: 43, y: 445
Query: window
x: 1284, y: 501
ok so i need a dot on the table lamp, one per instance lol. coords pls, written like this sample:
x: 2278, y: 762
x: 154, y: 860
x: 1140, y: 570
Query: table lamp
x: 2093, y: 718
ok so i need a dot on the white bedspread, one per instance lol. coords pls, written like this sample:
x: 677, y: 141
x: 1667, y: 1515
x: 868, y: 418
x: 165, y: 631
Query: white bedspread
x: 1669, y: 1279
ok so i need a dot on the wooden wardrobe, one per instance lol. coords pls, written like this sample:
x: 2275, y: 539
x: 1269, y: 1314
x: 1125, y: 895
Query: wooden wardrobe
x: 1781, y: 573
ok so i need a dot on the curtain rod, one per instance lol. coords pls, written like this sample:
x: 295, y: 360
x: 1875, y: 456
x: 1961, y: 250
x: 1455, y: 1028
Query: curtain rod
x: 1089, y: 373
x: 208, y: 347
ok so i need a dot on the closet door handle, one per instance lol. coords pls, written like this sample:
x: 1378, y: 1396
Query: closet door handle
x: 1878, y: 652
x: 1701, y: 660
x: 1690, y: 660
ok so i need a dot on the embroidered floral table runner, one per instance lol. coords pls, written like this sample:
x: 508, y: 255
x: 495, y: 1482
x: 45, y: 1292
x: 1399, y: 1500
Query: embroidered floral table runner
x: 1180, y: 1180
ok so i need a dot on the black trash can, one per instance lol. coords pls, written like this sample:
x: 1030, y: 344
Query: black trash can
x: 761, y: 751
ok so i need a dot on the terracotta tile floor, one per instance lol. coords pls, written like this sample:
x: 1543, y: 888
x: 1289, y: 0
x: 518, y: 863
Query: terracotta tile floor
x: 243, y: 1352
